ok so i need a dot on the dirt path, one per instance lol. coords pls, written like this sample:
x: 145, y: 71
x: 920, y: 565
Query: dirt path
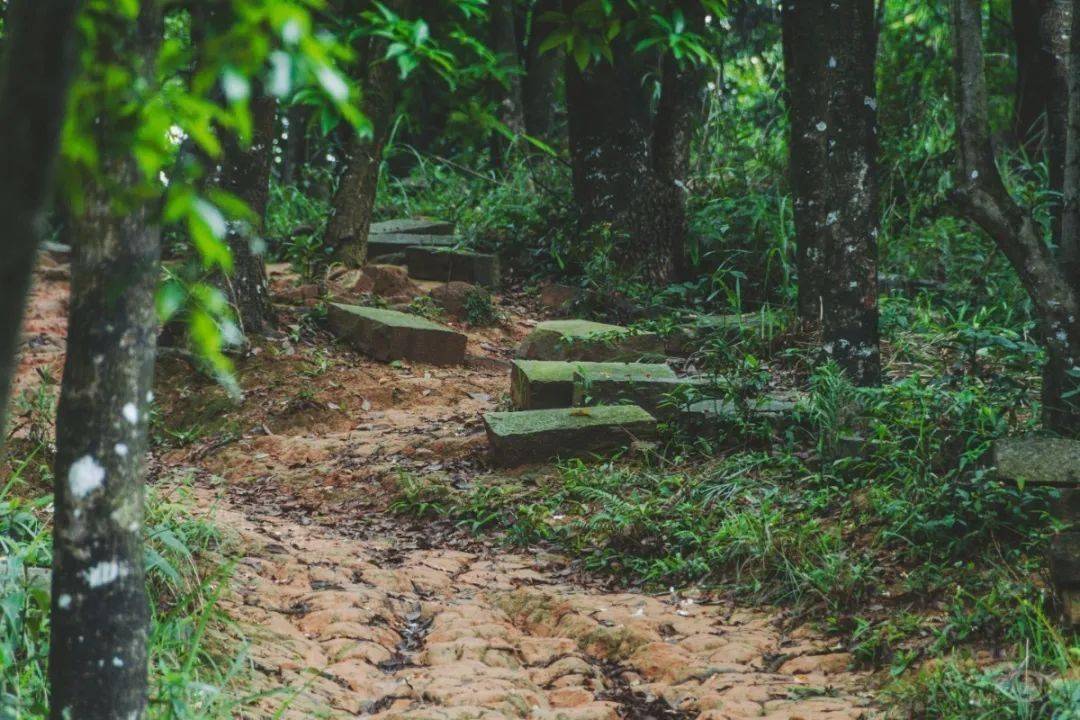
x: 353, y: 612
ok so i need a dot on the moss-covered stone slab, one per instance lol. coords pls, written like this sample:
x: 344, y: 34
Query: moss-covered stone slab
x: 448, y: 265
x: 392, y: 335
x: 584, y: 340
x: 412, y: 226
x: 395, y: 243
x: 1038, y: 461
x: 663, y: 395
x: 711, y: 416
x: 541, y: 384
x: 688, y: 337
x: 530, y: 436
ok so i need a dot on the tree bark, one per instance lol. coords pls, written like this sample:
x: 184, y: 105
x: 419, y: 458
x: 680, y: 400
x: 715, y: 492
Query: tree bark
x: 983, y: 199
x: 354, y: 200
x: 541, y: 73
x: 1033, y: 76
x: 850, y: 318
x: 40, y: 58
x: 805, y: 57
x: 245, y: 173
x: 1054, y: 20
x: 628, y: 166
x: 98, y: 649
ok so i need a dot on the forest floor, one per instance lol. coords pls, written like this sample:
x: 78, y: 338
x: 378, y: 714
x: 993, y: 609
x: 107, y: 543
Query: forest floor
x: 351, y: 610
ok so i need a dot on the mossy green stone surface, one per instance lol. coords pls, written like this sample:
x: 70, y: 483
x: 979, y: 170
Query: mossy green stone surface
x: 392, y: 335
x: 448, y: 265
x: 1039, y: 461
x: 529, y: 436
x: 589, y: 341
x: 659, y: 394
x: 412, y: 226
x: 392, y: 243
x: 712, y: 415
x: 539, y: 384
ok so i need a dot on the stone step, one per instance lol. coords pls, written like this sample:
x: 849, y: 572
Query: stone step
x: 1038, y: 460
x: 529, y: 436
x: 541, y: 384
x: 392, y: 335
x: 589, y: 341
x: 712, y: 416
x: 688, y: 337
x: 664, y: 396
x: 394, y: 243
x: 412, y: 226
x: 445, y: 265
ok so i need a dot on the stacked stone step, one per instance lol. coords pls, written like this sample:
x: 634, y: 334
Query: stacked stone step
x: 429, y: 249
x: 1055, y: 463
x: 391, y: 335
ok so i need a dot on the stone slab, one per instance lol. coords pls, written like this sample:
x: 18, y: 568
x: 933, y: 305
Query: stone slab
x: 688, y: 336
x: 1038, y: 461
x: 392, y: 335
x: 662, y: 395
x: 530, y: 436
x: 446, y: 265
x: 542, y: 384
x: 412, y: 226
x: 710, y: 416
x: 589, y: 341
x: 394, y: 243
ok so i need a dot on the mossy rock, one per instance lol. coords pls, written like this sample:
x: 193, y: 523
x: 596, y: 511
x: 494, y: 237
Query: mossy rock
x: 448, y: 265
x: 530, y: 436
x: 1039, y: 461
x: 412, y: 226
x: 589, y: 341
x: 712, y: 416
x: 542, y: 384
x: 379, y: 246
x: 392, y: 335
x: 663, y: 395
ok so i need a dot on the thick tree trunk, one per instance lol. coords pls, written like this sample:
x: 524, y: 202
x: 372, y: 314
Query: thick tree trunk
x: 805, y: 57
x: 983, y: 198
x: 1033, y: 76
x: 98, y: 649
x: 507, y: 94
x: 246, y: 174
x: 39, y: 44
x: 850, y: 318
x: 541, y: 73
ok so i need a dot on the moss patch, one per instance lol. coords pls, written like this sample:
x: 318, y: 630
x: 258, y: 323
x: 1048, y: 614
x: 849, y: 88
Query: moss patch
x: 530, y: 422
x: 392, y: 318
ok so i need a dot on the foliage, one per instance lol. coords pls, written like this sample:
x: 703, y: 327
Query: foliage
x: 194, y: 667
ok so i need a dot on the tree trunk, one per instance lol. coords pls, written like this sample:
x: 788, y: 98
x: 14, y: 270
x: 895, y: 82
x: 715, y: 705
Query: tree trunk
x: 804, y: 69
x: 295, y: 151
x: 1033, y: 76
x: 246, y: 174
x: 507, y: 95
x: 354, y: 201
x: 983, y: 199
x: 850, y: 317
x: 541, y: 74
x: 40, y: 57
x: 98, y: 650
x: 1054, y: 24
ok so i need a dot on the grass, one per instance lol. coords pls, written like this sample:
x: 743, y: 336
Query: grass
x: 196, y: 667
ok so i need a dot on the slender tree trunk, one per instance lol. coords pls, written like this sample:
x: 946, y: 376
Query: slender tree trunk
x: 295, y: 152
x: 805, y: 57
x: 1054, y: 22
x: 541, y: 73
x: 1033, y: 76
x: 1070, y: 222
x: 507, y: 95
x: 354, y: 201
x: 246, y: 174
x: 98, y: 648
x: 39, y: 44
x: 983, y: 199
x: 850, y: 318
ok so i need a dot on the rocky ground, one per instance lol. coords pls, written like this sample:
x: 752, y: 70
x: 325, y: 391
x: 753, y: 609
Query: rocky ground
x: 352, y: 611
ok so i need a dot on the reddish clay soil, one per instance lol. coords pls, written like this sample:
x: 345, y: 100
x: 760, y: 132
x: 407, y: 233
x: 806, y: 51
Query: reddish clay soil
x: 352, y: 611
